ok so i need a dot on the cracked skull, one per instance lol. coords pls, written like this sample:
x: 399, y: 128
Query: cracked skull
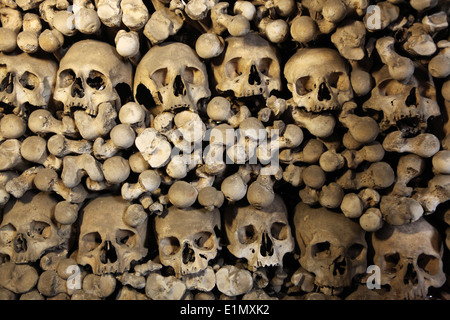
x: 410, y: 258
x: 318, y: 79
x: 248, y: 67
x: 28, y: 230
x: 332, y: 246
x: 106, y: 242
x: 92, y: 73
x: 188, y: 238
x: 26, y: 81
x: 262, y: 237
x: 171, y: 77
x: 406, y: 105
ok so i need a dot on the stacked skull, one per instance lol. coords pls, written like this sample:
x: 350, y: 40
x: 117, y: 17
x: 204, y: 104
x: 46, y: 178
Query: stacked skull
x: 213, y: 150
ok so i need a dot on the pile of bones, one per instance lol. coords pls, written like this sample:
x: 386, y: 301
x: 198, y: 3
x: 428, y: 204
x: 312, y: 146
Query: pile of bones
x: 203, y: 149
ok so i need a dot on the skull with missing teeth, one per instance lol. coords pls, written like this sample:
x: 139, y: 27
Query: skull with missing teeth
x: 332, y: 247
x: 92, y: 73
x: 171, y: 77
x: 28, y: 230
x: 262, y: 237
x: 188, y: 238
x: 410, y: 258
x: 248, y: 67
x: 318, y: 79
x: 406, y: 105
x: 26, y: 80
x: 106, y: 242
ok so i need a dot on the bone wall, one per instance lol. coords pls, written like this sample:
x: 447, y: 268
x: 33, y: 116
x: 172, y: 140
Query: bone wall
x: 279, y: 149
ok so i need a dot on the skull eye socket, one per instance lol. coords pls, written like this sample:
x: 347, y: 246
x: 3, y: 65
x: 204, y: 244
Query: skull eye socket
x: 234, y: 68
x: 160, y: 77
x: 125, y: 238
x: 193, y: 76
x: 338, y: 80
x: 391, y: 88
x: 96, y: 80
x: 391, y: 261
x: 169, y: 246
x: 429, y: 264
x: 320, y: 250
x: 355, y: 251
x: 304, y: 85
x: 279, y: 231
x: 41, y: 229
x: 247, y: 234
x: 66, y: 78
x: 426, y: 90
x: 204, y: 240
x: 7, y: 234
x: 29, y: 81
x: 266, y: 66
x: 91, y: 241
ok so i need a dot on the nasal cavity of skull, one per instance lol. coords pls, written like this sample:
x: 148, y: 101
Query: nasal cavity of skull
x: 253, y: 77
x: 108, y: 253
x: 339, y: 265
x: 20, y: 243
x: 188, y: 254
x: 411, y: 100
x: 266, y: 248
x: 410, y: 275
x: 39, y: 229
x: 29, y: 81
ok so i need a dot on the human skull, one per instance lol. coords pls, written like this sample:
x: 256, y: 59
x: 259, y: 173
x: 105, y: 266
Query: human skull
x: 261, y: 236
x: 106, y: 242
x: 173, y: 76
x: 332, y: 247
x: 26, y: 81
x: 410, y: 258
x: 318, y: 79
x: 407, y: 105
x: 248, y: 67
x: 28, y: 229
x: 92, y: 73
x: 188, y: 238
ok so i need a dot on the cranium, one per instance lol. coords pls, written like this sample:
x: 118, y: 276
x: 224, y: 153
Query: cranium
x: 28, y: 230
x: 248, y: 67
x: 106, y: 242
x: 26, y: 81
x: 173, y: 76
x: 92, y: 73
x: 262, y: 236
x: 188, y: 238
x: 318, y: 79
x: 407, y: 105
x: 410, y: 258
x: 333, y: 247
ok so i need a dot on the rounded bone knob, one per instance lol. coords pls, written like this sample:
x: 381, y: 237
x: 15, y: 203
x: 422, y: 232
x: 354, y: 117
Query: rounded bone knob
x: 182, y: 194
